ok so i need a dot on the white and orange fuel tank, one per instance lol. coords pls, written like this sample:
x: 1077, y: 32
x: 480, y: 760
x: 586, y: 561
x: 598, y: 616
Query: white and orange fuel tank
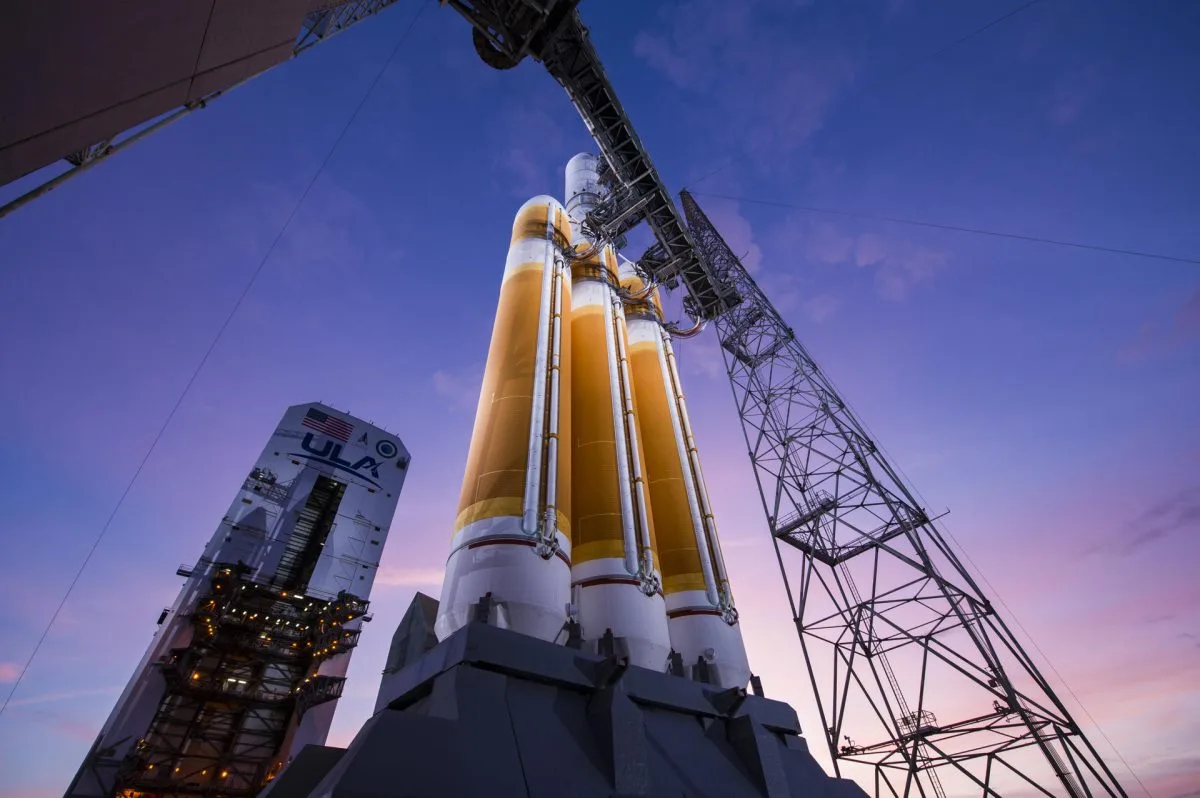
x: 616, y: 582
x: 512, y: 537
x: 701, y: 615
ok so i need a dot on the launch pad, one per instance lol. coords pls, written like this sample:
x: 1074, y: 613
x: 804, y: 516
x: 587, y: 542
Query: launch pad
x: 491, y: 712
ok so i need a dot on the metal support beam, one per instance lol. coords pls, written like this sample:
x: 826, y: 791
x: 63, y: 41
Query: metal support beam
x: 917, y: 679
x: 551, y: 32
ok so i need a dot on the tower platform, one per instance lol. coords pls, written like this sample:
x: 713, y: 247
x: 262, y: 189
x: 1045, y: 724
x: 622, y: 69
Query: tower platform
x: 490, y: 712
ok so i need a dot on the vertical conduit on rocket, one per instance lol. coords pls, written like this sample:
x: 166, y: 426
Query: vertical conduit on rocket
x: 614, y: 573
x: 699, y: 604
x: 512, y: 537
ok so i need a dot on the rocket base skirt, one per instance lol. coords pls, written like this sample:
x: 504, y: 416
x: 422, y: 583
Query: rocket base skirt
x: 610, y: 598
x: 697, y: 629
x: 529, y: 594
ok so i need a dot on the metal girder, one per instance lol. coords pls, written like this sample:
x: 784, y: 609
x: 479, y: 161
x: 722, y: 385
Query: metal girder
x: 333, y: 18
x: 551, y: 32
x: 895, y: 632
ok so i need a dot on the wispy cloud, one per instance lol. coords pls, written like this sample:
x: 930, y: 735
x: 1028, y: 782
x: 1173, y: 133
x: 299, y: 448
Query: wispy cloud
x: 84, y: 732
x: 717, y: 50
x: 1072, y: 94
x: 735, y: 228
x: 9, y: 671
x: 1163, y: 337
x: 897, y: 265
x: 789, y: 292
x: 392, y: 576
x: 460, y: 387
x: 66, y: 695
x: 1178, y: 511
x: 822, y: 307
x: 529, y: 153
x: 701, y: 355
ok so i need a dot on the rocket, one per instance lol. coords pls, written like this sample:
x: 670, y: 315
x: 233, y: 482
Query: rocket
x: 614, y: 575
x: 512, y: 535
x: 583, y: 498
x: 702, y: 618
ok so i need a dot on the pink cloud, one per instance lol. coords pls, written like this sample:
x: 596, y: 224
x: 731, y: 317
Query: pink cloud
x: 62, y: 695
x: 392, y: 576
x: 822, y: 307
x: 9, y: 671
x: 1164, y: 337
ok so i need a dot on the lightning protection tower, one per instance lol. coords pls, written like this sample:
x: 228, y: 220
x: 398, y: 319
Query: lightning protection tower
x: 919, y: 683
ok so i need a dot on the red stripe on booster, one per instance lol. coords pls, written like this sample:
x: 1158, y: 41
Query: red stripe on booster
x: 606, y: 580
x: 691, y: 611
x: 515, y: 541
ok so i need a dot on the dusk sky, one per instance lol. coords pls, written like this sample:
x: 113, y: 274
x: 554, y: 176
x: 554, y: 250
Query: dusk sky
x: 1047, y: 396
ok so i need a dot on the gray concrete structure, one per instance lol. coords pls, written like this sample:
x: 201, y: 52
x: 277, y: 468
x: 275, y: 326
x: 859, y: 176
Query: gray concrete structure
x: 414, y: 636
x: 490, y: 712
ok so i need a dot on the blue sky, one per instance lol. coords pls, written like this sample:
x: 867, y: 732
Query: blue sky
x: 1045, y: 395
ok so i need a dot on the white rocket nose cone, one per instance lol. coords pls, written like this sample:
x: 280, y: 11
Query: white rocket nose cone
x: 582, y: 185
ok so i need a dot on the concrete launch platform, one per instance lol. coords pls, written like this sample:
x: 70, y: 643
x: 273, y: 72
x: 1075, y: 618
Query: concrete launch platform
x: 490, y: 712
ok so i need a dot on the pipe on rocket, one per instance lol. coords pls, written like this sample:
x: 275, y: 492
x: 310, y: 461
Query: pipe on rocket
x: 548, y: 542
x: 634, y: 453
x: 702, y: 619
x: 629, y: 531
x: 613, y: 573
x: 537, y: 425
x: 512, y: 536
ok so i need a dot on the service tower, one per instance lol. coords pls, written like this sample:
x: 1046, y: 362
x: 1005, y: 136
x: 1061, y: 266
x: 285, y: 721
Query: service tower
x: 247, y: 665
x: 583, y: 505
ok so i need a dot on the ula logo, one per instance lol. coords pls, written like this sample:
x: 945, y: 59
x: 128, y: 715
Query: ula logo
x: 331, y: 454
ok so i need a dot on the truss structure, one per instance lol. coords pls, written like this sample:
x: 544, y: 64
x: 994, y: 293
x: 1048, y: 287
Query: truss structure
x: 235, y: 692
x: 897, y: 636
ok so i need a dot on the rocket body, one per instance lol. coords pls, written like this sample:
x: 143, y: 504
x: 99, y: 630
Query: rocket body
x: 582, y: 496
x: 699, y: 604
x: 512, y: 536
x: 614, y: 573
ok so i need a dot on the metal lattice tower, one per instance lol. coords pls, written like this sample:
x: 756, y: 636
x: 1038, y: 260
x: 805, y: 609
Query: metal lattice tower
x: 896, y: 633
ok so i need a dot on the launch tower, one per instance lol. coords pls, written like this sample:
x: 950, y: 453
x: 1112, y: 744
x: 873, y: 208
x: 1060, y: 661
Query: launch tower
x: 247, y: 665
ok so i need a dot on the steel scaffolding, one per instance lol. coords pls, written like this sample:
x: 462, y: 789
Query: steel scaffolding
x: 893, y: 627
x: 235, y: 693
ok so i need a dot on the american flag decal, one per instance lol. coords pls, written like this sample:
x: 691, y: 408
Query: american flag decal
x: 327, y: 425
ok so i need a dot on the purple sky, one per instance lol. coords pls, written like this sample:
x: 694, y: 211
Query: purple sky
x: 1047, y: 396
